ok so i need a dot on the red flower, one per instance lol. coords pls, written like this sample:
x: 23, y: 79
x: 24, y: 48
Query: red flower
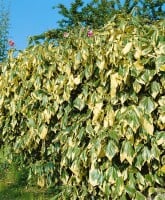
x: 66, y: 35
x: 90, y: 33
x: 11, y: 43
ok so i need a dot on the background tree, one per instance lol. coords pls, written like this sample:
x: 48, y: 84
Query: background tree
x: 4, y: 29
x: 98, y: 12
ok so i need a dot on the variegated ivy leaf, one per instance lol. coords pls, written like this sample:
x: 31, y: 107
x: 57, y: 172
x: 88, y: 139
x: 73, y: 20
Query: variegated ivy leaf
x: 146, y: 77
x: 95, y: 177
x: 111, y: 174
x: 160, y: 137
x: 160, y: 63
x: 127, y: 48
x: 119, y: 187
x: 155, y: 89
x: 97, y: 112
x: 146, y: 154
x: 43, y: 131
x: 115, y: 82
x: 111, y: 149
x: 127, y: 152
x: 139, y: 196
x: 137, y: 86
x: 147, y: 105
x: 147, y: 124
x: 79, y: 103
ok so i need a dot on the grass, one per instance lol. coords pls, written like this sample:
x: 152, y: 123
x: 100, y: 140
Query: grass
x: 13, y: 184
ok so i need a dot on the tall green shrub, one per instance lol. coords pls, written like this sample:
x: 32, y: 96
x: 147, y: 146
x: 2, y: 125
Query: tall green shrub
x: 87, y: 116
x: 96, y: 13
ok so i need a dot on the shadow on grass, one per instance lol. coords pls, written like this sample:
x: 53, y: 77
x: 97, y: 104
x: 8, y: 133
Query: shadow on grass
x: 11, y: 191
x: 13, y: 185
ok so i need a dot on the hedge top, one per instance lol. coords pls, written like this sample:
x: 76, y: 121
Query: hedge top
x: 89, y: 109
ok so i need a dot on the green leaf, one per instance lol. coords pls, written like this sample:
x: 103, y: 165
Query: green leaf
x: 88, y: 70
x: 111, y: 149
x: 155, y: 152
x: 132, y: 119
x: 127, y: 152
x: 130, y: 190
x: 147, y: 105
x: 146, y: 77
x: 146, y: 154
x: 95, y: 177
x: 43, y: 131
x: 147, y: 124
x: 140, y: 178
x: 75, y: 168
x: 111, y: 174
x: 139, y: 161
x: 127, y: 48
x: 139, y: 196
x: 119, y: 186
x: 155, y: 89
x: 79, y: 103
x: 31, y: 123
x: 160, y: 137
x: 160, y: 63
x: 137, y: 86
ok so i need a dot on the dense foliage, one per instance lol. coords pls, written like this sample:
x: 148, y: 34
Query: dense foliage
x: 88, y: 115
x: 4, y: 26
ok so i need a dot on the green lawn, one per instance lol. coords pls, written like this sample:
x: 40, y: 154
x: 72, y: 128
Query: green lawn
x: 13, y: 184
x: 12, y: 187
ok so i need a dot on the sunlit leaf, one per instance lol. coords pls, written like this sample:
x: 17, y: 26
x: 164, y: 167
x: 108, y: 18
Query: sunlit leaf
x: 79, y: 103
x: 147, y: 104
x: 127, y: 48
x: 43, y: 133
x: 111, y: 149
x: 95, y: 177
x: 160, y: 63
x: 127, y: 152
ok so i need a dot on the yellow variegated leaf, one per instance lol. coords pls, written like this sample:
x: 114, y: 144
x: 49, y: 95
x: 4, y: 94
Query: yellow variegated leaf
x: 137, y: 86
x: 162, y: 68
x: 109, y: 118
x: 77, y: 80
x: 66, y: 95
x: 94, y: 177
x: 101, y: 64
x: 138, y: 53
x: 115, y: 81
x: 148, y: 126
x: 127, y: 152
x: 162, y: 169
x: 127, y: 48
x: 97, y: 111
x: 44, y: 131
x: 75, y: 168
x: 41, y: 181
x: 46, y: 115
x: 1, y: 101
x: 139, y: 66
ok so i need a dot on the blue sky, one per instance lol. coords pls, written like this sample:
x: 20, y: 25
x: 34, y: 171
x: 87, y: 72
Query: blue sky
x: 32, y: 17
